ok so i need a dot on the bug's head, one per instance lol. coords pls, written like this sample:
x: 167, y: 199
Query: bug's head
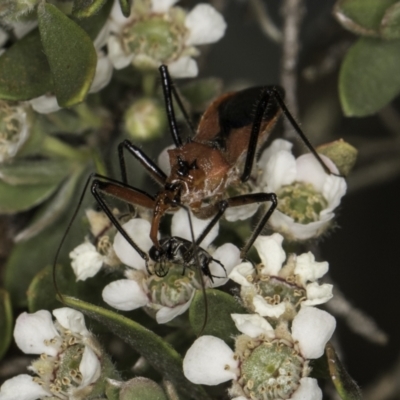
x: 198, y: 168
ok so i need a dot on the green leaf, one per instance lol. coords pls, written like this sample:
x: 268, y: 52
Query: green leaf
x: 34, y: 172
x: 51, y: 210
x: 6, y: 322
x: 153, y: 348
x: 344, y: 383
x: 19, y: 198
x: 363, y: 17
x: 31, y: 256
x: 219, y: 322
x: 369, y: 76
x: 141, y: 389
x: 87, y: 8
x: 125, y: 7
x: 93, y: 25
x: 390, y: 26
x: 24, y: 70
x: 70, y: 53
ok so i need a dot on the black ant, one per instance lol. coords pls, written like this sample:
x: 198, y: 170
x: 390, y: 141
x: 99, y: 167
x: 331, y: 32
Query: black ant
x: 177, y: 250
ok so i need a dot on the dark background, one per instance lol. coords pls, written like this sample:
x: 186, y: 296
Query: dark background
x: 363, y: 251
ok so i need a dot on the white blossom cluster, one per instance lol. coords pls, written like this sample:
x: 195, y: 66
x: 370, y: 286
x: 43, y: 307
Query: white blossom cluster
x: 280, y: 335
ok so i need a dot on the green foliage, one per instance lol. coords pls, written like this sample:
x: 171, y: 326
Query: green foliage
x: 125, y: 7
x: 70, y: 53
x: 219, y: 322
x: 344, y: 383
x: 6, y: 321
x: 87, y: 8
x: 369, y: 76
x: 141, y: 389
x: 24, y: 70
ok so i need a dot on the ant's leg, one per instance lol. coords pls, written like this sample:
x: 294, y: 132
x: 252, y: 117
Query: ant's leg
x: 151, y: 167
x: 169, y: 91
x: 267, y: 110
x: 240, y: 201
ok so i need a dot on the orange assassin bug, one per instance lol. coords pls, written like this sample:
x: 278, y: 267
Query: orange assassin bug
x: 220, y: 155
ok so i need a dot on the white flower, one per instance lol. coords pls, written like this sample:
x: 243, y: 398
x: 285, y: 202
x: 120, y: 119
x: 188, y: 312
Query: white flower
x: 158, y: 33
x: 279, y: 367
x: 295, y: 280
x: 15, y: 128
x: 307, y: 195
x: 57, y: 342
x: 86, y: 261
x: 170, y: 292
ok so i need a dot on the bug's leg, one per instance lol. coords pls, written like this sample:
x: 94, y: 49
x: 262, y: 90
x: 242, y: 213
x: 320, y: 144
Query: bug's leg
x: 276, y: 95
x: 268, y: 98
x: 241, y: 201
x: 169, y: 91
x: 150, y: 166
x: 121, y: 191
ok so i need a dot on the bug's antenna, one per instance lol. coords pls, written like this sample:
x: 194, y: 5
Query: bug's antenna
x: 194, y: 246
x: 71, y: 221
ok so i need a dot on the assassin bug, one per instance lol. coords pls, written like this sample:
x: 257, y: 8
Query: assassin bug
x: 219, y: 156
x: 228, y: 136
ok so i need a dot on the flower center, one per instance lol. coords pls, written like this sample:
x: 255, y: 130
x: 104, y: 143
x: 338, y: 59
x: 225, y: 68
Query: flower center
x: 154, y: 37
x: 275, y: 290
x: 174, y: 288
x: 60, y: 374
x: 10, y: 123
x: 272, y: 371
x: 301, y: 202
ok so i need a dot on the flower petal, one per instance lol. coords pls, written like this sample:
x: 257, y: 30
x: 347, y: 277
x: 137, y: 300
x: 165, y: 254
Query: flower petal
x: 184, y: 67
x: 317, y: 294
x: 117, y: 54
x: 71, y: 320
x: 22, y: 387
x: 162, y: 6
x: 32, y: 330
x: 90, y: 367
x: 308, y: 390
x: 272, y: 255
x: 268, y: 310
x: 209, y: 361
x: 240, y: 273
x: 103, y: 74
x: 308, y: 269
x: 253, y: 325
x: 86, y: 261
x: 205, y: 25
x: 280, y: 170
x: 166, y: 314
x: 229, y: 256
x: 312, y: 328
x: 180, y: 226
x: 45, y: 104
x: 241, y: 213
x: 139, y: 230
x: 124, y: 295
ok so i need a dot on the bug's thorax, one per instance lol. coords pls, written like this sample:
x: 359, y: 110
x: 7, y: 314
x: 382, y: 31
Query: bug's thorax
x: 199, y: 170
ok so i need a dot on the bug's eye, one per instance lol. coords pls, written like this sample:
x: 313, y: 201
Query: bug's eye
x: 183, y: 167
x: 193, y: 165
